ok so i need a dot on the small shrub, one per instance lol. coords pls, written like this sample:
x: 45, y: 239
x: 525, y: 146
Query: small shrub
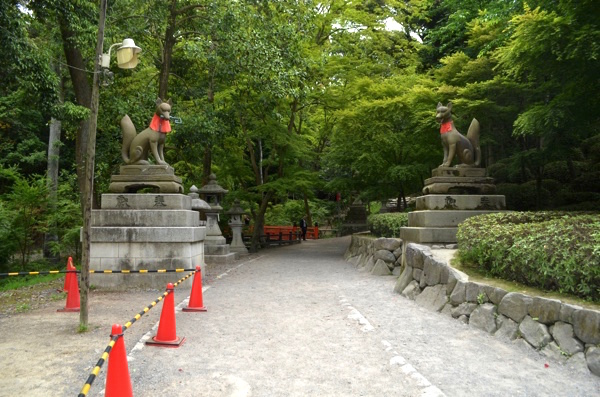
x: 522, y: 197
x: 387, y: 224
x: 588, y: 182
x: 559, y: 170
x: 551, y: 250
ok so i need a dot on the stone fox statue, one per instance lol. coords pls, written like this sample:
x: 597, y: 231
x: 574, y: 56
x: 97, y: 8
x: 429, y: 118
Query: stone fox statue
x: 466, y: 149
x: 137, y: 146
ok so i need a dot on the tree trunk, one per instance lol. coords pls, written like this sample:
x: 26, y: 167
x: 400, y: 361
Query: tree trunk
x: 83, y: 96
x: 259, y: 222
x: 170, y: 40
x: 89, y: 177
x: 53, y: 158
x: 206, y: 165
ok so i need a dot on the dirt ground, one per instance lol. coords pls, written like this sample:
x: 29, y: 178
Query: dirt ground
x: 41, y: 349
x: 292, y: 321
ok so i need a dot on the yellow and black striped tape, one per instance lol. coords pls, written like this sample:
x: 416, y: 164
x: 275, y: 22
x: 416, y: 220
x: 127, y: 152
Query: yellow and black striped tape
x: 141, y: 271
x: 88, y: 384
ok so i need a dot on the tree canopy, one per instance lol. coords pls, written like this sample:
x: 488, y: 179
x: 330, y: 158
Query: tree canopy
x: 301, y: 100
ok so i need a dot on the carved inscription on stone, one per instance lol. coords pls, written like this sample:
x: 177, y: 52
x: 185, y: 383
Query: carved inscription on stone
x: 159, y: 201
x: 485, y: 203
x: 450, y: 203
x: 122, y: 202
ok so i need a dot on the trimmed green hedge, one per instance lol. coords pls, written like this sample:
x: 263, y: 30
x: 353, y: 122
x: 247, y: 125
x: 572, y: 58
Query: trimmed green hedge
x: 551, y: 250
x: 387, y: 224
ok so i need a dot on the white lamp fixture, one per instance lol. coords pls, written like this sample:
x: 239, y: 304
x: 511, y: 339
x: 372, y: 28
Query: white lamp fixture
x: 127, y: 55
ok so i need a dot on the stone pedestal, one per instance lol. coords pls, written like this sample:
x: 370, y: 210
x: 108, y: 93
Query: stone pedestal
x: 452, y: 195
x: 145, y: 231
x: 459, y: 180
x: 132, y: 178
x: 216, y: 249
x: 235, y: 222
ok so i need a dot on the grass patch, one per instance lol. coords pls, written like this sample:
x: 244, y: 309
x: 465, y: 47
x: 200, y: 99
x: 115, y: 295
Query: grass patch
x: 476, y: 275
x: 16, y: 282
x: 553, y: 251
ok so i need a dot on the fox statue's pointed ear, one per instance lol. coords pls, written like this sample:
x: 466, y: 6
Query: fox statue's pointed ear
x: 158, y: 101
x: 170, y: 102
x: 439, y: 105
x: 449, y: 106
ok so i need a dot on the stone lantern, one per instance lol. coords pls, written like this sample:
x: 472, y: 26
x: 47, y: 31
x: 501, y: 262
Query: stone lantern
x: 197, y: 203
x: 236, y: 223
x: 213, y: 194
x: 215, y: 246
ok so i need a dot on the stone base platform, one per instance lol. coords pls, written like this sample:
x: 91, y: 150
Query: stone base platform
x: 460, y: 202
x: 220, y: 259
x: 132, y: 178
x: 459, y: 180
x: 145, y: 232
x: 216, y: 251
x: 429, y: 235
x: 442, y: 218
x: 438, y: 215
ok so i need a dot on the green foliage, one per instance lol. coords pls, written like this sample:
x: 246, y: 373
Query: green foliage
x: 387, y: 224
x: 8, y: 245
x: 521, y: 197
x: 291, y: 211
x: 65, y: 219
x: 288, y: 99
x: 14, y: 282
x: 25, y: 217
x: 551, y: 250
x: 26, y: 204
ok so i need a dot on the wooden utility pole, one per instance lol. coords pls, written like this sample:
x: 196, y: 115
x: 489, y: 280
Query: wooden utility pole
x: 89, y: 173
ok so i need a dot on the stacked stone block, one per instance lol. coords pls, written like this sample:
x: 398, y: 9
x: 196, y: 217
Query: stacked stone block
x: 380, y: 257
x: 563, y: 332
x: 145, y: 232
x: 451, y: 195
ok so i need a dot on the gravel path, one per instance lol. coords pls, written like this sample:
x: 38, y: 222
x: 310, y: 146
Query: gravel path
x: 290, y: 321
x: 300, y: 321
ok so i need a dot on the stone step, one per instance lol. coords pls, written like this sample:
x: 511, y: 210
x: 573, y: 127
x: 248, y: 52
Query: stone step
x: 214, y: 239
x: 140, y: 218
x: 146, y: 234
x: 442, y: 218
x: 461, y: 202
x: 459, y: 179
x: 460, y: 188
x: 459, y: 171
x: 429, y: 234
x: 147, y: 201
x: 146, y: 169
x: 216, y: 249
x: 220, y: 259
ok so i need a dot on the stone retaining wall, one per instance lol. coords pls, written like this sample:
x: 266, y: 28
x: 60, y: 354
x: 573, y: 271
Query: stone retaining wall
x: 565, y: 333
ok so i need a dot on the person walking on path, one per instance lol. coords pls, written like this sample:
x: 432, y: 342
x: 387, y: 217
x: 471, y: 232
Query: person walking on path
x: 303, y: 227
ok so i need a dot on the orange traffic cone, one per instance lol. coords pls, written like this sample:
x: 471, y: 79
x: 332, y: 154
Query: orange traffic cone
x: 167, y: 334
x: 69, y: 275
x: 195, y: 304
x: 72, y: 296
x: 118, y: 383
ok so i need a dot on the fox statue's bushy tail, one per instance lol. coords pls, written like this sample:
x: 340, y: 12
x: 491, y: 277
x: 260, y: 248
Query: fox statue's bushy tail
x: 129, y: 134
x: 473, y: 137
